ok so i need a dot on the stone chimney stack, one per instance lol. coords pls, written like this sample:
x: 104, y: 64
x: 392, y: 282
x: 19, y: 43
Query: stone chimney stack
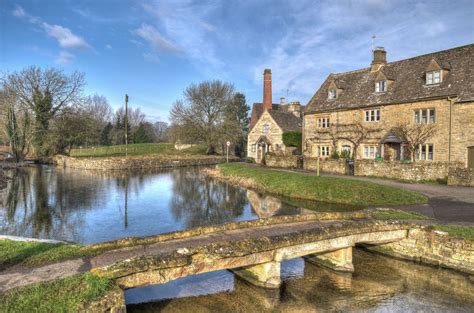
x: 295, y: 108
x: 380, y: 58
x: 267, y: 89
x: 282, y: 101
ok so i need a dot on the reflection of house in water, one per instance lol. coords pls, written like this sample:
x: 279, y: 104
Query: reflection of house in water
x: 267, y: 206
x: 264, y: 206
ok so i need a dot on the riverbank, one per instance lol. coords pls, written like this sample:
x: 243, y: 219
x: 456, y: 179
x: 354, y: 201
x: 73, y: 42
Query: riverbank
x: 325, y: 189
x: 139, y: 162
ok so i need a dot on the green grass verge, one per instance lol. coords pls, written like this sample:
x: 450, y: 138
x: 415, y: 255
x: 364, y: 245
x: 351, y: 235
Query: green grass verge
x: 326, y: 189
x: 63, y: 295
x: 466, y: 232
x: 398, y: 215
x: 137, y: 150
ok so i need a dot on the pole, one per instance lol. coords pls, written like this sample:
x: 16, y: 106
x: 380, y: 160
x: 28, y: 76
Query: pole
x: 126, y: 124
x: 227, y: 154
x: 317, y: 166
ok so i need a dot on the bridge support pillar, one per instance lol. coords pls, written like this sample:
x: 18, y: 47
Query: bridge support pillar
x: 339, y: 260
x: 263, y: 275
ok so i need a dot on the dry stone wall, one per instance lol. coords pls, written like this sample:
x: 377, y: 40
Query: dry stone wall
x: 433, y: 247
x: 461, y: 176
x: 332, y: 166
x: 122, y: 163
x: 285, y: 161
x: 406, y: 171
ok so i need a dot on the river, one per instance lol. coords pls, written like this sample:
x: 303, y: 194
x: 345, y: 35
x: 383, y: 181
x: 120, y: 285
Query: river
x: 96, y: 206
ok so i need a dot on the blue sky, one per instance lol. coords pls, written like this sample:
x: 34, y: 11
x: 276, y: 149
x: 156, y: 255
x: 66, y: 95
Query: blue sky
x: 152, y: 50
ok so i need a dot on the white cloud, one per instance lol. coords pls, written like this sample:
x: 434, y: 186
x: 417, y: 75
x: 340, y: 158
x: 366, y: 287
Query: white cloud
x: 65, y: 37
x: 151, y: 35
x: 19, y: 12
x: 151, y: 57
x: 64, y: 58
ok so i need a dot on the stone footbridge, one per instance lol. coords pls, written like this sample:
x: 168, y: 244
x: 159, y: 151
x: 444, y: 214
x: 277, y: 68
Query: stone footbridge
x: 255, y: 254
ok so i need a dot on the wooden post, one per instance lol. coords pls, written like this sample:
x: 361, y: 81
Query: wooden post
x: 126, y: 124
x: 317, y: 166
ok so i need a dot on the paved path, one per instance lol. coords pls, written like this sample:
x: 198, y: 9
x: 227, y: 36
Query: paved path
x: 17, y: 276
x: 446, y: 203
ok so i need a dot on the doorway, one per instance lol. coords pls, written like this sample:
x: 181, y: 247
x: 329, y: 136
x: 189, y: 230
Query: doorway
x: 470, y: 157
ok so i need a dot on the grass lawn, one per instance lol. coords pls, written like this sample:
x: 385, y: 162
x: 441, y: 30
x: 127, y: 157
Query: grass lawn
x: 13, y: 252
x: 57, y: 296
x: 326, y: 189
x: 138, y: 149
x: 466, y: 232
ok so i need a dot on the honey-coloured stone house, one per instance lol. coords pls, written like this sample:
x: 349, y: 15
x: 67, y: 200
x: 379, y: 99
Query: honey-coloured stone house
x: 269, y: 121
x: 436, y: 88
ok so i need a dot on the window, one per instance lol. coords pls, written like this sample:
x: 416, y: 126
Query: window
x: 324, y: 151
x: 425, y: 116
x: 372, y: 115
x: 332, y: 93
x: 370, y: 152
x: 425, y: 152
x: 254, y: 148
x: 323, y: 122
x: 265, y: 128
x: 433, y: 77
x: 381, y: 86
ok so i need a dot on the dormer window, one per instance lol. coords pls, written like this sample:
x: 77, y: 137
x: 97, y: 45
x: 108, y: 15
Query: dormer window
x: 332, y: 93
x: 381, y: 86
x: 433, y: 77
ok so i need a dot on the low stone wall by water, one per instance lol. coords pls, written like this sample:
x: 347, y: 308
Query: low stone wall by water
x: 461, y: 176
x: 432, y: 247
x: 405, y: 171
x: 123, y: 163
x: 332, y: 166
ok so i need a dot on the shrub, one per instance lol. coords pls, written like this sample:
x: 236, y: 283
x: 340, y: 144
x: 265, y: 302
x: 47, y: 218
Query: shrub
x: 292, y: 139
x: 335, y: 155
x: 345, y: 154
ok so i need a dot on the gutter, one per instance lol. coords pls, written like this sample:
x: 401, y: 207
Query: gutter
x: 451, y: 101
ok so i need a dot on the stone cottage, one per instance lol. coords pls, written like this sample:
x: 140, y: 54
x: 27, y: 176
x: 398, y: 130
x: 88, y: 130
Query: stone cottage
x: 269, y: 121
x: 382, y: 110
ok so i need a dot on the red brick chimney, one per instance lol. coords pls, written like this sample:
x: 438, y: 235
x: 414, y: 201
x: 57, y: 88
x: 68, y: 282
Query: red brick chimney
x: 267, y: 89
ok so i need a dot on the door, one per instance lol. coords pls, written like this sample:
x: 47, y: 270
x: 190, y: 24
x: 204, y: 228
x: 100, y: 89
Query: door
x: 470, y: 157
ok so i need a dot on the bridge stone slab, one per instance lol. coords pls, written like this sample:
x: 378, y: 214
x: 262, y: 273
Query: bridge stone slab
x: 263, y: 275
x: 339, y: 260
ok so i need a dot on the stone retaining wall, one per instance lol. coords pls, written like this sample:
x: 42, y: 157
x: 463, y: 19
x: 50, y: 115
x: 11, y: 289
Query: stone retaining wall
x: 122, y: 163
x: 461, y: 176
x: 285, y: 161
x: 432, y: 247
x: 406, y: 171
x: 332, y: 166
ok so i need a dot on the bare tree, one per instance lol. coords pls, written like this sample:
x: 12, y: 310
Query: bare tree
x: 414, y: 135
x: 135, y: 116
x: 44, y: 93
x: 99, y: 108
x: 161, y: 131
x: 202, y: 113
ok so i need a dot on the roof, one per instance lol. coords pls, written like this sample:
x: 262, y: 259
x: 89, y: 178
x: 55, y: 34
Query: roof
x: 406, y: 82
x: 286, y: 121
x: 257, y: 111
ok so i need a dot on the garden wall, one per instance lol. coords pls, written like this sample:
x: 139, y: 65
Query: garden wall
x: 332, y: 166
x: 432, y: 247
x: 285, y: 161
x: 405, y: 171
x: 461, y: 176
x: 122, y: 163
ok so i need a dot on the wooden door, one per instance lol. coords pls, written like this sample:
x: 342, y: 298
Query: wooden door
x: 470, y: 157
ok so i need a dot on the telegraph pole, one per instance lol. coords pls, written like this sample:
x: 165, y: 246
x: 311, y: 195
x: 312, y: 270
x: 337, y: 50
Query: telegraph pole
x: 126, y: 125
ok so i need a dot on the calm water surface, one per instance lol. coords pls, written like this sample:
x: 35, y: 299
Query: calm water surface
x: 96, y: 206
x: 379, y: 284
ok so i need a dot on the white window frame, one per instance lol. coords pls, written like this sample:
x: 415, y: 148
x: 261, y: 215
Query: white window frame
x: 372, y: 116
x: 265, y: 129
x: 323, y: 151
x: 323, y: 122
x: 434, y: 77
x: 423, y: 152
x: 370, y: 151
x: 332, y: 93
x: 425, y: 116
x: 381, y: 86
x: 253, y: 148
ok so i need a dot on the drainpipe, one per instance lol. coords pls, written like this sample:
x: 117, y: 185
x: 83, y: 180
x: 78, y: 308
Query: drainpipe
x: 451, y: 101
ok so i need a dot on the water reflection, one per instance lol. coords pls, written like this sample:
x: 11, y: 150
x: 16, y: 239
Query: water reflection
x: 379, y: 284
x: 94, y: 206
